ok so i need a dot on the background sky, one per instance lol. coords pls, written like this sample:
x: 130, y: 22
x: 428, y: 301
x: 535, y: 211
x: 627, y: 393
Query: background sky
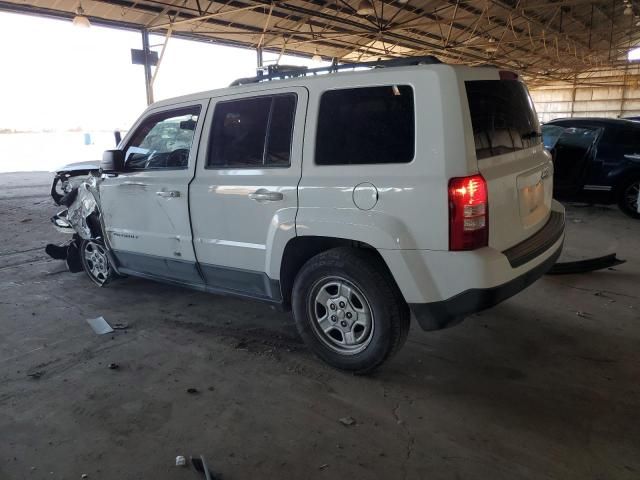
x: 57, y: 76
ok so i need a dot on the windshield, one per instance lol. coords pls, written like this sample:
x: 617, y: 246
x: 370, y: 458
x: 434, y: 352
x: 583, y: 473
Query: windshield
x: 550, y: 135
x: 573, y: 137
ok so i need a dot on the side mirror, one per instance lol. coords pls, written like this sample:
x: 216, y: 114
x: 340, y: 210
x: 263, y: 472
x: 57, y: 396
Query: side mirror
x: 112, y: 161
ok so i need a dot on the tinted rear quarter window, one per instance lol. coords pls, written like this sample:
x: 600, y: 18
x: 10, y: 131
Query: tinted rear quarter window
x: 628, y: 138
x: 367, y: 125
x: 503, y: 117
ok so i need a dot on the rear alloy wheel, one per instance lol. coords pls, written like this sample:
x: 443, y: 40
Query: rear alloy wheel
x: 628, y: 198
x: 95, y: 262
x: 343, y: 318
x: 348, y: 309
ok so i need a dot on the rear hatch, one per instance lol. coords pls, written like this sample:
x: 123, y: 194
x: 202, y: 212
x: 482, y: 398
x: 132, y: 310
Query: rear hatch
x: 511, y: 158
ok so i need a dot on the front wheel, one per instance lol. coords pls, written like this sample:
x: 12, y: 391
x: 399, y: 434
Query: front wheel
x: 349, y: 310
x: 628, y: 198
x: 95, y: 262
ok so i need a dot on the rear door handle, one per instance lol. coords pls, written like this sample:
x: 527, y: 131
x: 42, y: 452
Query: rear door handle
x: 263, y: 195
x: 169, y: 194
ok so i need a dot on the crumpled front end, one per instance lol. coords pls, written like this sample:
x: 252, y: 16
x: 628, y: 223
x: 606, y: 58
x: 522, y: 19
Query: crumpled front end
x: 81, y: 218
x: 84, y: 207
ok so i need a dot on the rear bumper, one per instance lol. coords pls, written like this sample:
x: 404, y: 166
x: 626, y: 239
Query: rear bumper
x: 446, y: 313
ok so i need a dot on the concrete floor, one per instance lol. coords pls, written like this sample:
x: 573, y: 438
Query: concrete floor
x: 530, y: 389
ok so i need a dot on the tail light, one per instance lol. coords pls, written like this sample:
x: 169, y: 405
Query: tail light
x: 468, y: 213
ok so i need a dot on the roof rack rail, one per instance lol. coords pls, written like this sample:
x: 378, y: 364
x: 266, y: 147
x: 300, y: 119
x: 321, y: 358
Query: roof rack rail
x: 273, y: 72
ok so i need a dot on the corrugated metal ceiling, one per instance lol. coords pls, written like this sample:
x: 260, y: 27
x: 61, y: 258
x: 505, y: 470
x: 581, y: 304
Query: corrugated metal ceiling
x: 545, y: 39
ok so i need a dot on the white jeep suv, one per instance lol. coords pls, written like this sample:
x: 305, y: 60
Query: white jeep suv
x: 358, y: 199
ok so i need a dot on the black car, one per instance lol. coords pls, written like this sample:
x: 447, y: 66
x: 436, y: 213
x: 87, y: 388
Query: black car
x: 596, y: 159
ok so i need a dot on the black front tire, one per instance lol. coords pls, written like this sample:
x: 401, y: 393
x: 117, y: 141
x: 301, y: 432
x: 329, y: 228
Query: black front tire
x: 371, y: 289
x: 628, y: 197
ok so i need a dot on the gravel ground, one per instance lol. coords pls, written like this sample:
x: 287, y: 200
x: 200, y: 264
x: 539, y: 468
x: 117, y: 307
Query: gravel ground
x: 544, y: 386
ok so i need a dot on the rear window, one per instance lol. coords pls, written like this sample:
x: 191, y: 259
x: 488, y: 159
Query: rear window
x: 252, y: 132
x: 503, y: 117
x: 367, y: 125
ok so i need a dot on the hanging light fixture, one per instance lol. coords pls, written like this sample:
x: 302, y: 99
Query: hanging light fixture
x: 628, y: 11
x: 316, y: 57
x: 365, y: 8
x: 492, y: 47
x: 80, y: 20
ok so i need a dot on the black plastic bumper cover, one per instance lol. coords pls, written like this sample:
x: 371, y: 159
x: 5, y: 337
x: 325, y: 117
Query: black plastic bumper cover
x: 438, y: 315
x: 538, y: 243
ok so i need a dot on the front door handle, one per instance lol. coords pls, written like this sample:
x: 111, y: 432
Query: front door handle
x: 263, y: 195
x: 169, y: 194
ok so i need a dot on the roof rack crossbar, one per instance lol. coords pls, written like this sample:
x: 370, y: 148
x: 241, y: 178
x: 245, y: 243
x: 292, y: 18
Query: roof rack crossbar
x: 273, y: 72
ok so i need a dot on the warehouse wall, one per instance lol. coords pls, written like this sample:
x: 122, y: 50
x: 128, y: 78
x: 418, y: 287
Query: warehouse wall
x: 614, y: 94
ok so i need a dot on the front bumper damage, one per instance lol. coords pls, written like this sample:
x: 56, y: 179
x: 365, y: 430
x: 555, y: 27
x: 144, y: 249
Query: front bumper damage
x: 82, y: 219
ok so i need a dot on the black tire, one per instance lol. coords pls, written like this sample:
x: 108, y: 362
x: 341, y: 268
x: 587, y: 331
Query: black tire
x: 626, y: 193
x: 95, y: 262
x: 368, y: 284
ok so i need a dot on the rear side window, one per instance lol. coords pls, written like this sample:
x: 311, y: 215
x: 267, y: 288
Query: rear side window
x: 628, y: 138
x: 252, y: 132
x: 366, y: 126
x: 503, y: 117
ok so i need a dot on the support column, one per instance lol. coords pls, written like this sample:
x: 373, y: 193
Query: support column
x: 573, y: 95
x: 624, y: 94
x: 259, y: 56
x: 147, y: 67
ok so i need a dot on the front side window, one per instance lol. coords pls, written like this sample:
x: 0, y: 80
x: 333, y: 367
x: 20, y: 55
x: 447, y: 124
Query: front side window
x: 163, y: 140
x: 367, y: 125
x: 252, y: 132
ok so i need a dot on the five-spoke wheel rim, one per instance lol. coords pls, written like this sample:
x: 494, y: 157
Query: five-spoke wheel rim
x: 631, y: 196
x: 341, y: 315
x: 97, y: 262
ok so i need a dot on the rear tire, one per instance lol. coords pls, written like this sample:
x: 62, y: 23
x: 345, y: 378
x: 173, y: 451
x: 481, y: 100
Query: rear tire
x: 95, y: 262
x: 628, y: 198
x: 348, y: 309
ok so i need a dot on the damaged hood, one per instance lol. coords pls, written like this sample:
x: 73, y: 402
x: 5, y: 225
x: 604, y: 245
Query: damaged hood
x: 79, y: 166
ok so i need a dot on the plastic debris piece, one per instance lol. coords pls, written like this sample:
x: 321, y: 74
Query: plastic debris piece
x: 181, y: 461
x: 57, y: 252
x: 584, y: 266
x: 99, y: 325
x: 36, y: 375
x: 348, y: 421
x: 114, y: 366
x: 200, y: 464
x: 120, y: 326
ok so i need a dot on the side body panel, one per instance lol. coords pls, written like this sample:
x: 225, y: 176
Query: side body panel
x: 238, y: 239
x: 411, y: 211
x: 146, y: 214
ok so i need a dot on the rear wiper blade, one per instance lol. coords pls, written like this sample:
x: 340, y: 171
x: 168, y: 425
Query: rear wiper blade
x: 531, y: 134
